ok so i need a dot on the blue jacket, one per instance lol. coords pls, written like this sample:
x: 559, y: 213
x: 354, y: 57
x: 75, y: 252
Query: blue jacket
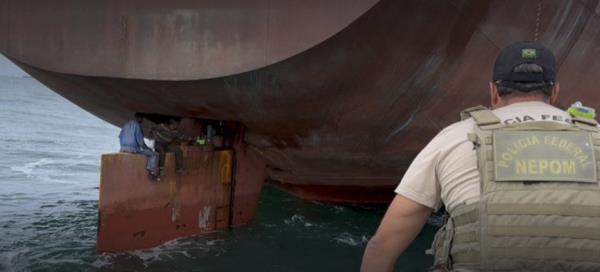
x: 132, y: 137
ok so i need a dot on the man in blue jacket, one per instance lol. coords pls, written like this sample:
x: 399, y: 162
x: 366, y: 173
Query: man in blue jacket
x: 132, y: 141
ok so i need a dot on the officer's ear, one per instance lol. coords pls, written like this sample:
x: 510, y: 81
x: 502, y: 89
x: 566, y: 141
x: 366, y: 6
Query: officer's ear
x: 554, y: 95
x: 495, y: 99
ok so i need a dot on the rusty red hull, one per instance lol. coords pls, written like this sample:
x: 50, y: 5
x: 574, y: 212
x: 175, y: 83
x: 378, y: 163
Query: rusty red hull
x: 349, y: 107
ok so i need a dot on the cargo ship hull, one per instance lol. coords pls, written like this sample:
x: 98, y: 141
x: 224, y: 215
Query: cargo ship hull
x: 336, y: 98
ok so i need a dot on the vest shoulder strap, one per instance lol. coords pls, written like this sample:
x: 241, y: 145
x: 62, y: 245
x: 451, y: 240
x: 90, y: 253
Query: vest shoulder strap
x: 586, y: 124
x: 541, y: 125
x: 482, y: 116
x: 466, y: 114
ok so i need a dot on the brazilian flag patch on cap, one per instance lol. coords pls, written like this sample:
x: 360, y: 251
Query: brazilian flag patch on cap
x: 528, y: 53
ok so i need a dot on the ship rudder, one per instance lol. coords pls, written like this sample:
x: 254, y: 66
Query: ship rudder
x: 219, y: 189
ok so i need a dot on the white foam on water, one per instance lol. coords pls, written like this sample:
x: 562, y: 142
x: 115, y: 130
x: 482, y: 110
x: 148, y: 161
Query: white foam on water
x: 28, y: 168
x: 61, y: 171
x: 338, y: 209
x: 299, y: 220
x: 102, y: 260
x: 296, y: 218
x: 166, y: 251
x: 214, y: 242
x: 349, y: 239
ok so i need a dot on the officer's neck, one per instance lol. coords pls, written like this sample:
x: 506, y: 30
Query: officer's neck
x: 505, y: 101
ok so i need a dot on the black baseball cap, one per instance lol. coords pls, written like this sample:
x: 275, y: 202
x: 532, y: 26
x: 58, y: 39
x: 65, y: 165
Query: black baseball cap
x: 525, y: 62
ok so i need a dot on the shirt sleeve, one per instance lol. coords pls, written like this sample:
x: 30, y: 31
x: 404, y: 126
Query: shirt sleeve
x: 420, y: 182
x: 139, y: 137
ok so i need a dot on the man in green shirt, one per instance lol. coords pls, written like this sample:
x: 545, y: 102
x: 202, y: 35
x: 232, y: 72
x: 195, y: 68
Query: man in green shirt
x: 166, y: 137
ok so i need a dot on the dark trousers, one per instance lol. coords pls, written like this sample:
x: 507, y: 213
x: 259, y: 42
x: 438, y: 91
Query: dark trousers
x: 162, y: 148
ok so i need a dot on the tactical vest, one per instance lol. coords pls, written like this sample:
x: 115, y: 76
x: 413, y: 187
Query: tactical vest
x: 540, y: 200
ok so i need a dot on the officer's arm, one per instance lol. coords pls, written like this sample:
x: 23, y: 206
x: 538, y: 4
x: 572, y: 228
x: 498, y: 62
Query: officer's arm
x: 402, y: 222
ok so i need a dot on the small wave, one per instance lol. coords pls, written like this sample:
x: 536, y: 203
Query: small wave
x: 16, y: 197
x: 28, y: 168
x: 102, y: 261
x: 298, y: 219
x: 349, y: 239
x: 295, y: 219
x: 338, y: 209
x: 215, y: 242
x: 187, y: 247
x: 65, y: 179
x: 334, y: 208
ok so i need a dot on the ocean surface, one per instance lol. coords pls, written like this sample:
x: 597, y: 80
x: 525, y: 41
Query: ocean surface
x: 49, y: 179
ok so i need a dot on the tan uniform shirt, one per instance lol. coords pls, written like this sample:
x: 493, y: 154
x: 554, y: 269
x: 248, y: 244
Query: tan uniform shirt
x: 445, y: 171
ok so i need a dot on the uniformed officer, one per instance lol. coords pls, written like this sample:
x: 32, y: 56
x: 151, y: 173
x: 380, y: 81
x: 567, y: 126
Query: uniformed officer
x: 531, y: 163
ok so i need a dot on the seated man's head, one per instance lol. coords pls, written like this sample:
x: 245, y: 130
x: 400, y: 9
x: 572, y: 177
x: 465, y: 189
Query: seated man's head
x: 524, y: 71
x: 173, y: 123
x: 139, y: 117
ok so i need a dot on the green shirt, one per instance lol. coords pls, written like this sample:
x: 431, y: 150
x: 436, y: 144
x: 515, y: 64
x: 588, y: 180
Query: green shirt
x: 164, y: 134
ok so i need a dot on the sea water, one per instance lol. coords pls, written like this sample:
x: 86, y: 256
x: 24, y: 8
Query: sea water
x: 50, y: 152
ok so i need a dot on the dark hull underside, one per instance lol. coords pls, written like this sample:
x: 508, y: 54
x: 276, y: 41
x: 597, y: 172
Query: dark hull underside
x: 351, y: 109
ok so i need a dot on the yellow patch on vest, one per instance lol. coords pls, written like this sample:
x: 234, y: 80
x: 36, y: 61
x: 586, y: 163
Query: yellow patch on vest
x: 541, y: 167
x: 544, y: 156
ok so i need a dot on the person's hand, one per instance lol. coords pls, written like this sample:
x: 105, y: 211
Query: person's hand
x: 185, y: 138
